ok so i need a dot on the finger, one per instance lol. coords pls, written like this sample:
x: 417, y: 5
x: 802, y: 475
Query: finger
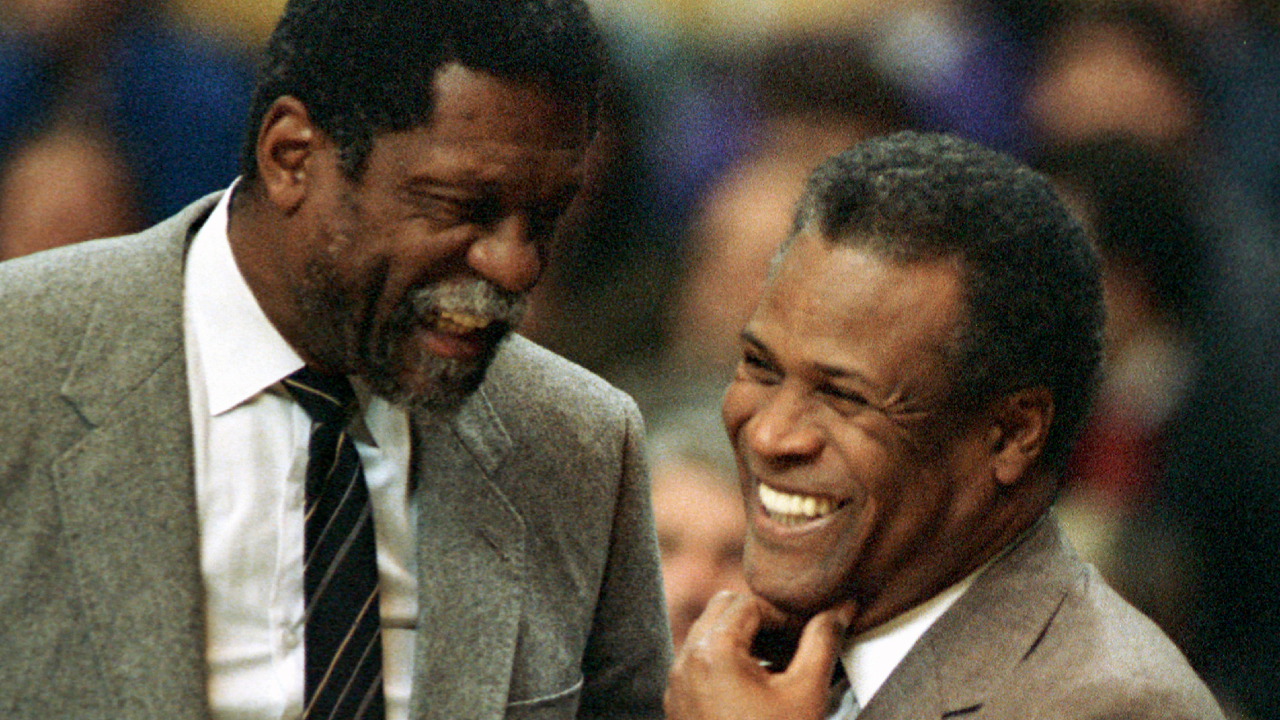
x: 719, y: 603
x: 820, y: 644
x: 739, y: 622
x: 717, y: 630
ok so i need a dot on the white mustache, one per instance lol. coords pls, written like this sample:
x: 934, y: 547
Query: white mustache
x: 473, y: 297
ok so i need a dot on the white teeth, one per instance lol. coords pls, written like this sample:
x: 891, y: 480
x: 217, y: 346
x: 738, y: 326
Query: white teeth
x: 459, y: 322
x: 792, y: 509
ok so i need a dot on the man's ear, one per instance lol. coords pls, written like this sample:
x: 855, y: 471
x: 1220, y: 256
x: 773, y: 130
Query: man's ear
x: 287, y: 145
x: 1020, y: 427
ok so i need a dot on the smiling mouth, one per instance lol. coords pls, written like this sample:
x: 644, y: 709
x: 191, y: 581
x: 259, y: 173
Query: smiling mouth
x: 461, y: 323
x: 460, y: 335
x: 792, y: 509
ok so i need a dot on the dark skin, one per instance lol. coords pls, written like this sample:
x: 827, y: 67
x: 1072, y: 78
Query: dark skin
x: 716, y: 675
x: 472, y: 196
x: 866, y: 494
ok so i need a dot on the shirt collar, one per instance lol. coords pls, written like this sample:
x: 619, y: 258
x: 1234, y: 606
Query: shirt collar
x: 241, y: 352
x: 873, y: 656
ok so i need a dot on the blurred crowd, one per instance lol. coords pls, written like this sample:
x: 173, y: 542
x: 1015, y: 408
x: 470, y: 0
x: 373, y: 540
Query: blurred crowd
x: 114, y: 114
x: 1156, y: 119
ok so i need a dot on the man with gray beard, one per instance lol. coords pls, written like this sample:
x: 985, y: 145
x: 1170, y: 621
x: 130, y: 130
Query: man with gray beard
x: 280, y: 456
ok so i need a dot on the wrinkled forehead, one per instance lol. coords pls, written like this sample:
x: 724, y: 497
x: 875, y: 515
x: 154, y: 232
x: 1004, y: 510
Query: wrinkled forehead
x: 489, y: 132
x: 490, y: 164
x: 854, y: 296
x: 476, y: 106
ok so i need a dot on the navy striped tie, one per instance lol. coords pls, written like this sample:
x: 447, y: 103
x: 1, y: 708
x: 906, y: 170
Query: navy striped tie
x: 342, y: 635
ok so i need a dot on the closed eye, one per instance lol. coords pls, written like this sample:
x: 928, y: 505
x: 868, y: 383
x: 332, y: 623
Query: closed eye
x: 435, y: 207
x: 758, y: 367
x: 845, y: 395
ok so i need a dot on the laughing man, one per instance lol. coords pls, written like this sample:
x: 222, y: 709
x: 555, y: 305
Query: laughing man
x: 909, y: 387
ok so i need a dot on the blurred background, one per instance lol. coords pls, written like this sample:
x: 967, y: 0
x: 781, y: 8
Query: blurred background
x: 1156, y: 119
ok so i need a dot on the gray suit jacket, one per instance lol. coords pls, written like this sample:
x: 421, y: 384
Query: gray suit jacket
x: 1040, y: 635
x: 539, y: 583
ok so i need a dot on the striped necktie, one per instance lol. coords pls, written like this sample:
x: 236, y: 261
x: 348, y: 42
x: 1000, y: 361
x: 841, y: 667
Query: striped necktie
x: 342, y: 634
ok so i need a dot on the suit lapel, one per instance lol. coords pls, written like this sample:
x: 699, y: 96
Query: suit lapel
x: 912, y: 692
x: 127, y: 497
x: 470, y: 568
x: 969, y: 651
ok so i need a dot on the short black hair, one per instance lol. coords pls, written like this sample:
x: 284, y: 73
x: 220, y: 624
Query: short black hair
x: 364, y: 68
x: 1033, y: 295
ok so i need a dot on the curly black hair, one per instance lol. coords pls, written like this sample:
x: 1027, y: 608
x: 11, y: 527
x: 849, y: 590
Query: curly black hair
x: 364, y: 68
x: 1032, y: 289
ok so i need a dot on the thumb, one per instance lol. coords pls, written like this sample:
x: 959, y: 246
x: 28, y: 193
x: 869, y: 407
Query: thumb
x: 820, y: 643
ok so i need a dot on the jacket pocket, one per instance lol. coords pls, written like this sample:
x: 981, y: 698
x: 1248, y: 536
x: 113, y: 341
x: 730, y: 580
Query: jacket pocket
x: 560, y: 704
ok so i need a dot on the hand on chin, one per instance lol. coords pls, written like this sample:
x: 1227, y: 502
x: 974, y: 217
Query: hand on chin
x: 719, y: 675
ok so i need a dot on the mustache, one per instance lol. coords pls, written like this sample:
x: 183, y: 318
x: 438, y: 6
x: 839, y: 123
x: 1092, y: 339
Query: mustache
x: 473, y: 297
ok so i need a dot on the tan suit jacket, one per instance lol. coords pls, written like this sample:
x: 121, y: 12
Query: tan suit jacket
x: 1039, y: 635
x: 539, y: 583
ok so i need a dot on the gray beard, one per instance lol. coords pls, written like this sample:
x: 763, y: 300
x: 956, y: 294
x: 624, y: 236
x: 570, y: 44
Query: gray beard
x: 441, y: 385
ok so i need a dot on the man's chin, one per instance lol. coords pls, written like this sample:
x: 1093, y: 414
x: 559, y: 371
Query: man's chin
x: 791, y: 600
x: 436, y: 387
x: 440, y: 402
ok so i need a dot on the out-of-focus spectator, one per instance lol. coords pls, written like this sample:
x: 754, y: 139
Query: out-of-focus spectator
x: 959, y: 64
x: 64, y: 186
x: 1241, y: 48
x: 814, y: 97
x: 1136, y: 205
x: 169, y: 105
x: 249, y: 22
x: 697, y: 508
x: 735, y: 231
x: 1117, y: 69
x: 1221, y: 493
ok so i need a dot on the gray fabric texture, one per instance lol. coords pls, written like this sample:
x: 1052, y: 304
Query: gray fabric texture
x: 1040, y: 635
x: 539, y: 585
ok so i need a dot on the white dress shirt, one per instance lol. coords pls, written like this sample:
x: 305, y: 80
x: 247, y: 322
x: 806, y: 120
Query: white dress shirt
x: 872, y: 656
x: 250, y: 468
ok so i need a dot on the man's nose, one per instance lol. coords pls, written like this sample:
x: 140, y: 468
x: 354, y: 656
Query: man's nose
x: 507, y: 255
x: 783, y: 428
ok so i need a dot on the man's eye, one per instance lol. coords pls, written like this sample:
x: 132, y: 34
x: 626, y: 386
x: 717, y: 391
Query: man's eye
x: 757, y: 367
x: 439, y: 208
x: 845, y: 396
